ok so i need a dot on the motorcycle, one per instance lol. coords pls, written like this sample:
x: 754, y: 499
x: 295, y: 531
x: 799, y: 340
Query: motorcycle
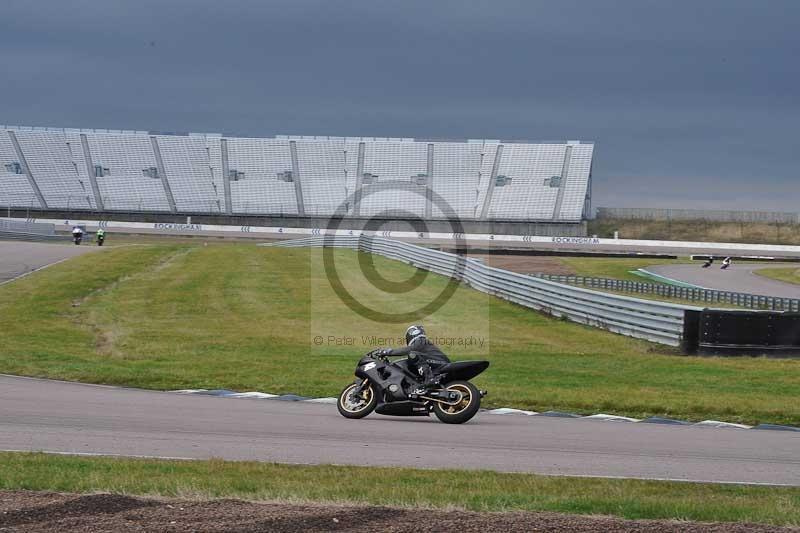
x: 387, y: 387
x: 77, y: 238
x: 100, y: 240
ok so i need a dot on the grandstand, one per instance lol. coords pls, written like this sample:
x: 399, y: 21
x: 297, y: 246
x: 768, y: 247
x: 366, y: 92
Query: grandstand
x: 114, y: 171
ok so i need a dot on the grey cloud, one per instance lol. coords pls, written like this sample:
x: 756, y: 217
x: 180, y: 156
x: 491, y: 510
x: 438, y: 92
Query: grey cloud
x: 696, y: 94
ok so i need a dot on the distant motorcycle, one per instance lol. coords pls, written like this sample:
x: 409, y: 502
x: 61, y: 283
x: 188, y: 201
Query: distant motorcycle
x: 386, y: 387
x: 77, y: 238
x: 100, y: 240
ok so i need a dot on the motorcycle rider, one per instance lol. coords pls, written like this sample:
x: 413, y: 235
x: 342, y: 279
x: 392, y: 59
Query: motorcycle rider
x: 101, y: 234
x: 77, y: 233
x: 421, y: 353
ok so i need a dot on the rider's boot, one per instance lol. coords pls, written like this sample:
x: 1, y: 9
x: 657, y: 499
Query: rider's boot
x: 431, y: 381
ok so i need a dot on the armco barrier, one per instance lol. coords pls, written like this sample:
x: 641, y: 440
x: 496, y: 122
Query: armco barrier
x: 27, y: 227
x: 27, y: 231
x: 706, y: 296
x: 646, y: 319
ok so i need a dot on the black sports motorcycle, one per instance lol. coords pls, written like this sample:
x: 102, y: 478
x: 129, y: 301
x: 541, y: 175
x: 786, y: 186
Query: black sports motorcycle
x: 387, y: 387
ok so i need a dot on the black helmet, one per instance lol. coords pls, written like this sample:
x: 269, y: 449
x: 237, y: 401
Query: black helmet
x: 413, y: 332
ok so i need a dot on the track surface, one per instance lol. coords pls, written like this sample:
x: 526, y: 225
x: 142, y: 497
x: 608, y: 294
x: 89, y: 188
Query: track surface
x: 18, y: 258
x: 77, y: 418
x: 737, y: 278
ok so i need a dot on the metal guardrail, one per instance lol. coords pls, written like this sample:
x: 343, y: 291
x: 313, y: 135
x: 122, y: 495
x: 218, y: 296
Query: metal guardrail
x: 27, y: 227
x: 35, y: 237
x: 28, y: 231
x: 646, y: 319
x: 706, y: 296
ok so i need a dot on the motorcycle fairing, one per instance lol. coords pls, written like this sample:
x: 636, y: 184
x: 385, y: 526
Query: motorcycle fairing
x: 462, y: 370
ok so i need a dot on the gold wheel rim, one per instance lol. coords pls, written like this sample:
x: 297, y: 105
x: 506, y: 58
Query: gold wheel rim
x: 460, y: 407
x: 352, y: 407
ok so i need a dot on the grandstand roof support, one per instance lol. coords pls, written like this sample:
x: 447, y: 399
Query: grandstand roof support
x: 298, y: 190
x: 563, y: 183
x: 359, y: 180
x: 429, y: 186
x: 28, y: 173
x: 226, y: 176
x: 587, y: 204
x: 487, y: 201
x: 162, y: 172
x: 87, y: 158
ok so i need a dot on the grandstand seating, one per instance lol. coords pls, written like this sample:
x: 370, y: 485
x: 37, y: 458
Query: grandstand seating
x: 390, y: 187
x: 15, y: 188
x: 112, y: 170
x: 258, y: 189
x: 456, y: 178
x: 126, y: 172
x: 47, y: 154
x: 186, y: 164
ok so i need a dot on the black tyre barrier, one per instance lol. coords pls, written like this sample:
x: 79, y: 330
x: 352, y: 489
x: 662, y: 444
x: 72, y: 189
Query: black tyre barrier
x: 753, y: 333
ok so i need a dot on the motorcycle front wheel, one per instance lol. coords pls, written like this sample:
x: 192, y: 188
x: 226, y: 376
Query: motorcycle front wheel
x: 464, y: 409
x: 352, y: 406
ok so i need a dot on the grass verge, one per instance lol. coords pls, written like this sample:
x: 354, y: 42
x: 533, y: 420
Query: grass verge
x: 615, y: 268
x: 789, y: 275
x: 473, y: 490
x: 697, y: 230
x: 244, y: 318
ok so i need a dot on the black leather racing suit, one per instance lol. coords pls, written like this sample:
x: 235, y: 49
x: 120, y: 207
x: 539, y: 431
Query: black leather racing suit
x: 423, y: 356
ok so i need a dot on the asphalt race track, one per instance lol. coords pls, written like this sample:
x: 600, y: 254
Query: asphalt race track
x: 77, y: 418
x: 739, y: 277
x: 18, y: 258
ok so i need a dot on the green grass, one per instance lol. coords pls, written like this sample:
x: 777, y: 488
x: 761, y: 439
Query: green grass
x: 615, y: 268
x: 478, y: 490
x: 244, y: 318
x: 789, y: 275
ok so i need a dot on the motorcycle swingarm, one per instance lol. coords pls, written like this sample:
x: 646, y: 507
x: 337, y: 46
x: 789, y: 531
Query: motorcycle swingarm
x: 444, y: 395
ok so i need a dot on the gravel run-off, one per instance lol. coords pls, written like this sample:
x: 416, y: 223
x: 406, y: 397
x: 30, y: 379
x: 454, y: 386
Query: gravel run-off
x: 46, y: 511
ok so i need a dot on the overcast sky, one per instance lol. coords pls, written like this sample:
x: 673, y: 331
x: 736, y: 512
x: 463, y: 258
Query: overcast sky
x: 690, y: 103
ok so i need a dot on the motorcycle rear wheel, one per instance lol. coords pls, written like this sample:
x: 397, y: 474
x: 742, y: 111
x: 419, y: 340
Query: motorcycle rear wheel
x: 351, y: 407
x: 465, y: 409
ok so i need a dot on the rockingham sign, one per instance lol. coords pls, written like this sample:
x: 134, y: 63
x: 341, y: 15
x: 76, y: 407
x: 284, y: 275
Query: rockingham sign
x: 576, y: 240
x: 177, y: 227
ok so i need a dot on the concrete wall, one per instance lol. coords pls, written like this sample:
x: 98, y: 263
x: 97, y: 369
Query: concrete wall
x: 492, y: 227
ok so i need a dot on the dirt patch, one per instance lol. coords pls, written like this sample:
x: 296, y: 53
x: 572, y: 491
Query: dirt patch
x: 527, y: 264
x: 38, y: 511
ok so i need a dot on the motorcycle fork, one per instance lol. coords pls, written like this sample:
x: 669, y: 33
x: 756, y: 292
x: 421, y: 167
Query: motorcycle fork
x: 360, y: 388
